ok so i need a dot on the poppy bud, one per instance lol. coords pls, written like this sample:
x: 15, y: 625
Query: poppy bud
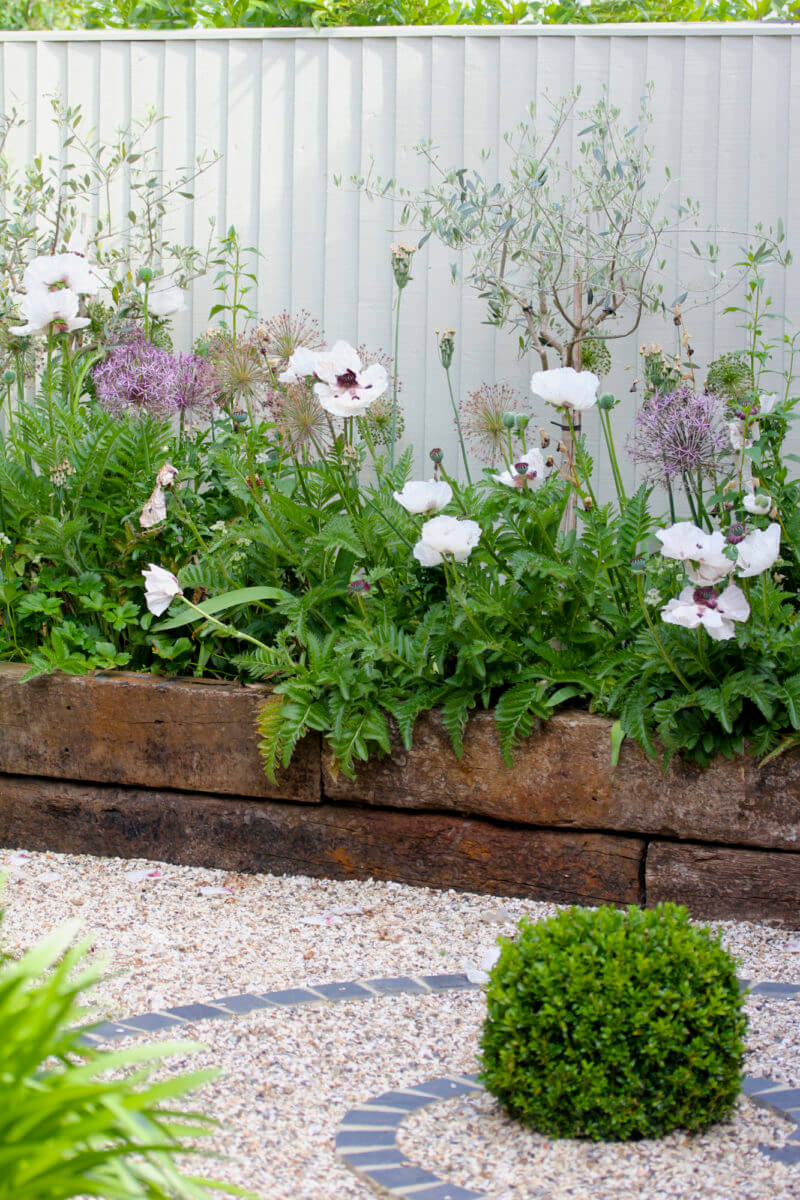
x: 436, y: 455
x: 549, y: 461
x: 588, y: 503
x: 606, y: 401
x: 145, y: 274
x: 638, y: 564
x: 509, y: 420
x: 9, y: 376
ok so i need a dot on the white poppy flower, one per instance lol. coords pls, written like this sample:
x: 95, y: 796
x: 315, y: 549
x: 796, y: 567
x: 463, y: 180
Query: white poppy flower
x: 759, y: 550
x: 704, y: 607
x: 446, y: 536
x: 767, y: 402
x: 303, y: 362
x: 757, y: 503
x: 419, y: 497
x: 44, y: 309
x: 55, y: 271
x: 529, y: 468
x: 737, y: 437
x: 160, y: 589
x: 713, y: 564
x: 346, y: 389
x: 564, y: 387
x: 164, y: 297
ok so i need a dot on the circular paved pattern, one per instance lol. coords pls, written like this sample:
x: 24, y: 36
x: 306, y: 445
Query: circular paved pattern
x: 366, y: 1140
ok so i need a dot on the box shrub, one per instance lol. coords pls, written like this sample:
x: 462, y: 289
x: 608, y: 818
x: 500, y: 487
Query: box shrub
x: 614, y: 1024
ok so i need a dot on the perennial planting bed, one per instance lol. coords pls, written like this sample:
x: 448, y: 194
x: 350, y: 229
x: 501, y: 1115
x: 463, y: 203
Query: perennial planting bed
x: 135, y: 765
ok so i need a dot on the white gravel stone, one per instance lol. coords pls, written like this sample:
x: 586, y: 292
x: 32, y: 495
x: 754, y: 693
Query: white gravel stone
x: 173, y: 935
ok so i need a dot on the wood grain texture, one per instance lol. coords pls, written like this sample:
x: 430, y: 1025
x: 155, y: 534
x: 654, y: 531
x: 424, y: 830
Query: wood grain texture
x: 562, y: 776
x: 723, y: 882
x: 146, y: 731
x: 334, y: 841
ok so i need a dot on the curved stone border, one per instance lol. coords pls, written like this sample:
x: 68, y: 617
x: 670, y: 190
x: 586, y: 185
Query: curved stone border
x: 366, y: 1139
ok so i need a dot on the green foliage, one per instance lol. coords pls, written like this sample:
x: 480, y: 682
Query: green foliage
x: 220, y: 14
x: 614, y: 1024
x: 79, y: 1121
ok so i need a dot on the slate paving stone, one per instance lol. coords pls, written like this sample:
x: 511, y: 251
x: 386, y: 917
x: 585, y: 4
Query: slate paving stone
x: 111, y: 1031
x: 196, y: 1012
x: 398, y: 985
x: 344, y: 991
x: 375, y: 1158
x: 755, y: 1083
x: 291, y: 996
x: 400, y: 1179
x: 409, y: 1101
x: 782, y: 1154
x: 365, y: 1139
x: 444, y: 983
x: 152, y: 1022
x: 371, y: 1116
x: 244, y: 1003
x: 776, y: 990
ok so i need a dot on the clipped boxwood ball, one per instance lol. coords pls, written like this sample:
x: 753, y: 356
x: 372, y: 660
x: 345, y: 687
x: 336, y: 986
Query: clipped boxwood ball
x: 614, y: 1024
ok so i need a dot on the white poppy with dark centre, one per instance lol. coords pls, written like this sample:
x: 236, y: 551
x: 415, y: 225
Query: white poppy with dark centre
x: 55, y: 311
x: 528, y: 470
x: 302, y: 363
x: 62, y: 271
x: 418, y: 496
x: 446, y: 537
x: 759, y: 551
x: 705, y: 607
x: 160, y: 589
x: 345, y: 387
x: 736, y: 433
x: 564, y: 387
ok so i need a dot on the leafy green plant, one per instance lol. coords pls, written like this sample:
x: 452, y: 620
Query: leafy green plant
x: 614, y: 1024
x: 76, y: 1120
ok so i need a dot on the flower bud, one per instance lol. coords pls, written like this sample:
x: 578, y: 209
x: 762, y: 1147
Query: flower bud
x: 436, y: 455
x: 736, y: 533
x: 549, y: 461
x: 447, y: 345
x: 607, y: 401
x: 356, y: 586
x: 639, y: 564
x: 544, y: 439
x: 9, y: 376
x: 522, y: 422
x: 401, y: 264
x: 145, y: 274
x: 509, y: 420
x: 588, y: 503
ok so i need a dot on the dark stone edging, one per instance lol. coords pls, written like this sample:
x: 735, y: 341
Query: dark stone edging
x: 366, y: 1138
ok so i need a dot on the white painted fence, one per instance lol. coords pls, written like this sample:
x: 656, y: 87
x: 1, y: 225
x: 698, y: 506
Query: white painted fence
x: 289, y: 109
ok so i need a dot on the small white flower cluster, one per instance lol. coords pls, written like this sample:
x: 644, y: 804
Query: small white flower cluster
x: 344, y: 387
x: 4, y: 541
x: 707, y: 565
x: 61, y: 473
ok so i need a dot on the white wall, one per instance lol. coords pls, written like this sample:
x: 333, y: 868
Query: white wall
x: 289, y: 109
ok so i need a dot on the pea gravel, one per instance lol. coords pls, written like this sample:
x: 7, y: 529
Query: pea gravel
x: 177, y: 934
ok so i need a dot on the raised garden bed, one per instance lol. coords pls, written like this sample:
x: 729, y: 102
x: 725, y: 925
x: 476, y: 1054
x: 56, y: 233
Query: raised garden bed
x: 134, y: 765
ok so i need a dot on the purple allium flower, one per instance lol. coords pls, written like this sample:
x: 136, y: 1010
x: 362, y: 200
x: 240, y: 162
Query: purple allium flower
x: 197, y: 383
x: 137, y: 377
x: 681, y: 432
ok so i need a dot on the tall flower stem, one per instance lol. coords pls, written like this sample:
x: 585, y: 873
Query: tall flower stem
x: 454, y: 407
x: 227, y: 629
x: 605, y: 424
x: 587, y: 482
x: 395, y: 377
x: 662, y: 648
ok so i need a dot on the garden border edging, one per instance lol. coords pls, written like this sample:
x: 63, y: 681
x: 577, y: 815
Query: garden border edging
x: 146, y: 766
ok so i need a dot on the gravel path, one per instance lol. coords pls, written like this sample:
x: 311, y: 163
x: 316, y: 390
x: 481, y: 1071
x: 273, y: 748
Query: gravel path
x: 177, y: 934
